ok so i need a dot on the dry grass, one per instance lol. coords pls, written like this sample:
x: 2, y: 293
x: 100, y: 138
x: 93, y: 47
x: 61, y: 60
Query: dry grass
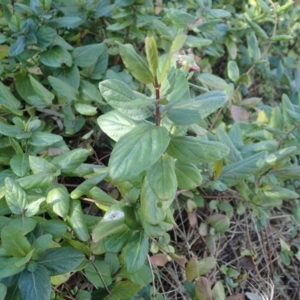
x: 264, y: 276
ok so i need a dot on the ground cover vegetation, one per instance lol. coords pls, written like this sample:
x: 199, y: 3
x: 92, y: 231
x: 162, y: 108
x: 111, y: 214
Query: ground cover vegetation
x: 149, y: 149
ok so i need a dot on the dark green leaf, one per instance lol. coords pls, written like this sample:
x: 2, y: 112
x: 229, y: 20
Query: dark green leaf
x: 20, y: 164
x: 86, y: 56
x: 97, y: 272
x: 41, y: 91
x: 35, y: 285
x: 56, y: 57
x: 61, y: 260
x: 136, y: 252
x: 123, y: 290
x: 63, y: 89
x: 8, y: 267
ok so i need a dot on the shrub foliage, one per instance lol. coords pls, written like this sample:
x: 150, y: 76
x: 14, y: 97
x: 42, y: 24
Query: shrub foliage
x: 115, y: 115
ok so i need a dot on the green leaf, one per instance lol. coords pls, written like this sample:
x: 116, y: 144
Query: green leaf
x: 115, y: 124
x: 197, y: 42
x: 45, y: 36
x: 39, y: 164
x: 137, y: 150
x: 63, y: 89
x: 192, y: 269
x: 86, y: 109
x: 206, y: 265
x: 196, y: 150
x: 87, y: 56
x: 13, y: 131
x: 117, y: 241
x: 41, y: 91
x: 56, y: 57
x: 8, y: 267
x: 69, y: 22
x: 18, y: 47
x: 108, y: 227
x: 149, y: 210
x: 136, y: 252
x: 162, y: 178
x: 234, y: 155
x: 257, y: 29
x: 253, y: 47
x: 188, y: 175
x: 88, y: 184
x: 281, y: 193
x: 233, y: 70
x: 219, y: 222
x: 58, y: 200
x: 240, y: 170
x: 123, y: 290
x: 61, y: 260
x: 24, y: 260
x: 40, y: 245
x: 218, y: 291
x: 14, y: 242
x: 36, y: 180
x: 119, y: 95
x: 177, y: 43
x: 152, y: 54
x: 77, y: 222
x: 212, y: 81
x: 135, y: 64
x: 69, y: 161
x: 15, y: 196
x: 8, y: 100
x: 44, y: 139
x: 20, y: 164
x: 24, y: 224
x: 203, y: 289
x: 90, y: 92
x: 98, y: 268
x: 56, y: 228
x: 35, y: 285
x: 3, y: 290
x: 209, y: 102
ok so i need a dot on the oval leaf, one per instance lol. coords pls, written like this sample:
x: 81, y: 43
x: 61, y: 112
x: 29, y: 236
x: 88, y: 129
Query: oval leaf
x: 137, y: 150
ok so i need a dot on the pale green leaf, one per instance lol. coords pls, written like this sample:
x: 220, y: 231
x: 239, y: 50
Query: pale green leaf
x: 14, y: 242
x: 196, y: 150
x: 58, y: 200
x: 240, y: 170
x: 135, y: 64
x: 115, y: 124
x: 162, y: 178
x: 119, y: 95
x: 137, y: 150
x: 188, y: 175
x: 15, y: 196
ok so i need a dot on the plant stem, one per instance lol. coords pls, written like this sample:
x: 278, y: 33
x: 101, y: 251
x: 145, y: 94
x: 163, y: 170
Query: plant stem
x: 157, y: 96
